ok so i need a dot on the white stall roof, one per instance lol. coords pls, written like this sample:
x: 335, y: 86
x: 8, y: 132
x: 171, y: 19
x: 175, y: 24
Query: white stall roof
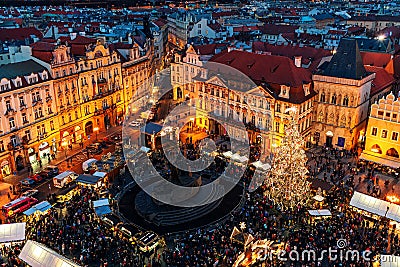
x: 390, y: 261
x: 228, y: 154
x: 376, y: 206
x: 12, y: 232
x: 101, y: 202
x: 38, y: 255
x: 145, y: 149
x: 320, y: 212
x: 259, y: 165
x: 318, y: 198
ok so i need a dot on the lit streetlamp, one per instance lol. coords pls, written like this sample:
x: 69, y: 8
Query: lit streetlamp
x: 96, y: 129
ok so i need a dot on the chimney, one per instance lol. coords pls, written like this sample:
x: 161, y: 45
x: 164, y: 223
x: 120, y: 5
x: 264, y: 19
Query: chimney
x: 297, y: 61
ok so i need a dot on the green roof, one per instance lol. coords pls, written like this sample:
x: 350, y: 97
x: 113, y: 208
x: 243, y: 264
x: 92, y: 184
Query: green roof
x: 24, y: 68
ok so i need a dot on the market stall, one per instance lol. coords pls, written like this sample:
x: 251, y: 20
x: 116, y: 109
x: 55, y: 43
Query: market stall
x: 38, y: 255
x: 102, y: 207
x: 12, y: 232
x: 38, y: 209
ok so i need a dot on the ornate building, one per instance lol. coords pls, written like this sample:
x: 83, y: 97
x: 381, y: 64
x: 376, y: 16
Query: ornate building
x: 382, y: 135
x: 28, y: 116
x: 277, y: 84
x: 344, y: 88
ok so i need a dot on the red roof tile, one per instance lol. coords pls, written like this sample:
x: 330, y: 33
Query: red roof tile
x: 375, y: 59
x: 382, y: 79
x: 277, y: 29
x: 19, y: 34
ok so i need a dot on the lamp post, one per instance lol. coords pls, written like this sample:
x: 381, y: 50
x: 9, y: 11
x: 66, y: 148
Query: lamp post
x: 96, y: 129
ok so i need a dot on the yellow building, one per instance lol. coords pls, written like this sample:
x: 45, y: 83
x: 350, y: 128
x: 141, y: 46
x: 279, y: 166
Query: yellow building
x: 382, y: 136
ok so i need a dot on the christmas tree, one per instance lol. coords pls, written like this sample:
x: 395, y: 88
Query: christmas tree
x: 286, y: 183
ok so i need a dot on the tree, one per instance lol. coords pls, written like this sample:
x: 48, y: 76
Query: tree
x: 287, y: 184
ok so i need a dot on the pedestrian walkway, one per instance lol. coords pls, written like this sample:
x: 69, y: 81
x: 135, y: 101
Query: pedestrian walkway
x: 61, y: 156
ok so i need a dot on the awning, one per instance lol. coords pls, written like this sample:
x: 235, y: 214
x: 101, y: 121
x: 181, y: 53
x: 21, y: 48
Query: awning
x: 38, y: 255
x: 12, y: 232
x: 151, y: 128
x: 103, y: 210
x: 263, y: 166
x: 323, y: 212
x: 145, y: 149
x: 318, y: 198
x: 228, y: 154
x: 87, y: 179
x: 376, y: 206
x: 381, y: 160
x: 101, y: 202
x: 41, y: 207
x: 100, y: 174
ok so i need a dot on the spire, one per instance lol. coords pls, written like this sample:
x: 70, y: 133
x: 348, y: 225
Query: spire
x: 346, y: 62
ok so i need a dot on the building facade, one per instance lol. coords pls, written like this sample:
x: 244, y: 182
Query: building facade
x: 382, y: 135
x: 344, y: 88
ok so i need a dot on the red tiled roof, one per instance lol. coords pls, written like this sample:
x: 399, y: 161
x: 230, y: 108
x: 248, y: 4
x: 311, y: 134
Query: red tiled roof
x: 272, y: 71
x: 307, y: 53
x: 83, y: 40
x: 382, y: 79
x: 160, y: 22
x: 375, y: 59
x: 217, y: 15
x: 19, y: 34
x: 245, y: 28
x: 208, y: 49
x: 43, y: 46
x: 215, y: 26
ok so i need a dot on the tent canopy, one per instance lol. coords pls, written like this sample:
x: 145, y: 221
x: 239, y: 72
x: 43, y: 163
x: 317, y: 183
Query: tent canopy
x: 40, y: 207
x: 12, y: 232
x: 228, y: 154
x: 263, y: 166
x: 88, y: 179
x: 38, y: 255
x: 145, y: 149
x: 102, y: 210
x: 100, y: 174
x: 323, y: 212
x: 389, y: 261
x: 101, y: 202
x: 151, y: 128
x: 381, y: 160
x: 376, y: 206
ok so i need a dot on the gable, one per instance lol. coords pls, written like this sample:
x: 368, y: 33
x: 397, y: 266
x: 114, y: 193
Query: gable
x: 217, y: 81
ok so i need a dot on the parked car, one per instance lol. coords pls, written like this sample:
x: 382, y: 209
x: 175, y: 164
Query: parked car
x: 27, y: 182
x: 53, y: 170
x: 95, y: 148
x: 30, y: 193
x: 45, y: 174
x: 36, y: 177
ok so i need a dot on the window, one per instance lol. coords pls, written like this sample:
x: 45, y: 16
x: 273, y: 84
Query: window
x: 278, y: 108
x: 52, y: 125
x: 345, y: 101
x: 374, y: 131
x: 8, y: 105
x: 63, y: 119
x: 12, y: 123
x: 384, y: 133
x: 49, y: 110
x: 24, y: 118
x: 2, y: 146
x: 395, y: 136
x: 333, y: 99
x: 21, y: 101
x: 277, y: 126
x: 28, y: 135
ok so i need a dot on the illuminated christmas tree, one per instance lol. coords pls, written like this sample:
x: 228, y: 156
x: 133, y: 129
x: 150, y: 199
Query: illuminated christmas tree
x: 287, y: 184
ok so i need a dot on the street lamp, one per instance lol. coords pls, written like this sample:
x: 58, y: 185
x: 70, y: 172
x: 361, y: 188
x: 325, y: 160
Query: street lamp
x: 96, y: 129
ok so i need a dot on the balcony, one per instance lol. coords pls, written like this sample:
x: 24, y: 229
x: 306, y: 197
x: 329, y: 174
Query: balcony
x: 22, y: 106
x: 48, y: 98
x: 9, y: 112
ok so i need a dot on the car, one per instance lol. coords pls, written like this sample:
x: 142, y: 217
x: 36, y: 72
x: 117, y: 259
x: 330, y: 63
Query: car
x: 45, y: 174
x: 53, y: 170
x: 30, y: 193
x: 36, y: 177
x: 27, y: 182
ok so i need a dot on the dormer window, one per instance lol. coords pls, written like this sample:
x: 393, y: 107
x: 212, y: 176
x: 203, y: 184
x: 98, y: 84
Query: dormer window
x: 284, y: 91
x: 306, y: 88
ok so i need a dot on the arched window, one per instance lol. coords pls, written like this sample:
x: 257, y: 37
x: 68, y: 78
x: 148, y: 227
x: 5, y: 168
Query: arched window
x: 334, y: 99
x: 322, y: 98
x: 376, y: 148
x: 345, y: 101
x: 320, y: 116
x: 343, y: 121
x: 392, y: 153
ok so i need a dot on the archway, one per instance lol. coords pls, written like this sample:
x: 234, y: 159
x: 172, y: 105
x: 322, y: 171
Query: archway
x: 376, y: 148
x: 329, y: 137
x: 392, y: 153
x: 19, y: 162
x: 179, y: 93
x: 89, y: 128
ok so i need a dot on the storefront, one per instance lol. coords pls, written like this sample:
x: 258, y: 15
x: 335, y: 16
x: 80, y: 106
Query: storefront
x: 32, y: 155
x: 79, y: 134
x: 44, y: 150
x: 66, y: 137
x: 5, y: 168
